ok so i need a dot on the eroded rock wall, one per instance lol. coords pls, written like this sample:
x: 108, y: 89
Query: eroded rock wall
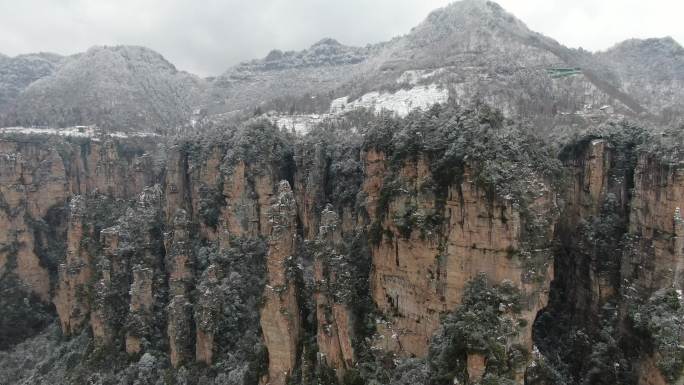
x: 430, y: 251
x: 130, y: 270
x: 280, y: 318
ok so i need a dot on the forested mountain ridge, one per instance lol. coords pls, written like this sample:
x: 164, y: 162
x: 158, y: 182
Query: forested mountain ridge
x: 472, y: 49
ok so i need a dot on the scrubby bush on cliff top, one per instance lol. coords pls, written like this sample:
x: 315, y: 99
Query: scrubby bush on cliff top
x: 485, y: 323
x: 629, y: 138
x: 505, y: 158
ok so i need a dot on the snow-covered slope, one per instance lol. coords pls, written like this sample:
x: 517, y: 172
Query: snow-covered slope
x: 122, y: 88
x: 399, y: 103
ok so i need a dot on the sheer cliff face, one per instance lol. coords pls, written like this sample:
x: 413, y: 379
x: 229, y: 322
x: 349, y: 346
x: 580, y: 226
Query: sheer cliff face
x: 619, y: 250
x: 655, y: 220
x: 656, y: 225
x: 38, y: 179
x: 418, y: 275
x: 280, y: 318
x: 236, y: 261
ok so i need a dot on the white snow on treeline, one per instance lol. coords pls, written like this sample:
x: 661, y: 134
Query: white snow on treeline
x: 400, y: 103
x: 75, y: 131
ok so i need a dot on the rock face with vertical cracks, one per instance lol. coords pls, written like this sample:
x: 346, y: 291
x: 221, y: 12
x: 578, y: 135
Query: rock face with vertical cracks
x: 619, y: 247
x: 280, y: 318
x: 421, y: 272
x: 180, y: 266
x: 155, y: 253
x: 333, y: 316
x: 74, y: 276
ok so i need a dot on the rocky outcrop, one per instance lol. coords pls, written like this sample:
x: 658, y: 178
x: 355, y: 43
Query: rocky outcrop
x: 206, y: 315
x: 36, y: 179
x: 161, y: 268
x: 176, y: 189
x: 655, y: 254
x: 32, y: 181
x: 655, y: 220
x: 141, y: 307
x: 309, y: 186
x: 477, y: 364
x: 334, y: 322
x: 71, y: 299
x: 618, y: 248
x: 247, y: 190
x: 110, y: 269
x: 421, y: 272
x: 280, y: 318
x: 593, y: 177
x: 180, y: 266
x: 241, y: 213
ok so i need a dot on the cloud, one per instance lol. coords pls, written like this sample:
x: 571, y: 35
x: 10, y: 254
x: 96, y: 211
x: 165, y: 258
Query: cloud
x: 598, y: 25
x: 206, y: 37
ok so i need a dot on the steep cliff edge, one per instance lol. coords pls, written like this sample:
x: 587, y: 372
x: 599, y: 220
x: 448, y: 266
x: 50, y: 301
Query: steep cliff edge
x: 450, y: 245
x: 617, y: 260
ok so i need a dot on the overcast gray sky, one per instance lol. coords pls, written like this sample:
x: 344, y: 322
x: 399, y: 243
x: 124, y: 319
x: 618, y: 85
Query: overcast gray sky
x: 208, y: 36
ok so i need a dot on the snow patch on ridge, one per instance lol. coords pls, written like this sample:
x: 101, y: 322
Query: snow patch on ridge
x: 75, y: 131
x: 401, y: 102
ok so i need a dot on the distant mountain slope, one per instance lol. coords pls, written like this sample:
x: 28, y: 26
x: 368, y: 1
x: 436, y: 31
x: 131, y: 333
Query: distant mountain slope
x: 125, y: 88
x: 325, y: 66
x: 651, y: 70
x: 470, y: 50
x: 473, y: 48
x: 16, y: 73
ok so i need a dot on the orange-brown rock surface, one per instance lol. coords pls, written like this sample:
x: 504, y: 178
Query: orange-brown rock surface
x: 181, y: 278
x: 334, y: 323
x: 206, y: 315
x: 419, y: 275
x: 655, y: 218
x: 71, y: 299
x: 142, y: 266
x: 280, y: 318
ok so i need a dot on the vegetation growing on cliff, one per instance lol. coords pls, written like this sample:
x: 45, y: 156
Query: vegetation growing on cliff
x: 259, y: 143
x: 598, y: 325
x: 23, y: 314
x: 328, y: 160
x: 505, y: 159
x: 486, y: 323
x: 230, y: 285
x: 661, y: 319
